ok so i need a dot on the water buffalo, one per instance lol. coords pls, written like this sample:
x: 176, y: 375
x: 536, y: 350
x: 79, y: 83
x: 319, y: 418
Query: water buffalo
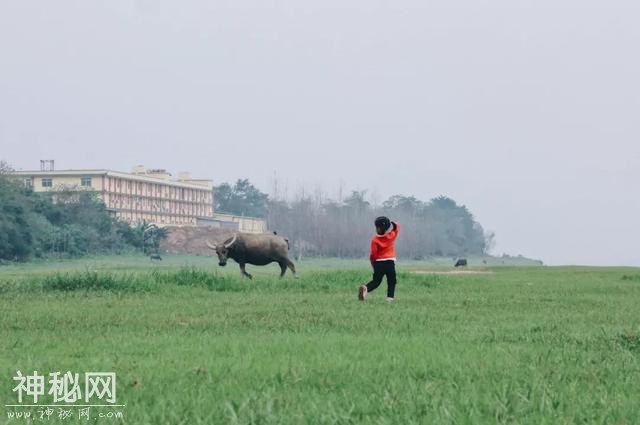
x: 461, y: 263
x: 256, y: 249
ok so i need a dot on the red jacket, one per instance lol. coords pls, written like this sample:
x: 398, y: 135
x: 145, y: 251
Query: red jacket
x: 382, y: 245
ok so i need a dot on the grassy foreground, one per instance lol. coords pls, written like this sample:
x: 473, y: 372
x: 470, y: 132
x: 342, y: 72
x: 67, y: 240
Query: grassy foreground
x: 194, y: 344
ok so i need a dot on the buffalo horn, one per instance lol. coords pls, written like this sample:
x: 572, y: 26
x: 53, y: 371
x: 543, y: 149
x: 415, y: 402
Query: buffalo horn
x: 227, y: 245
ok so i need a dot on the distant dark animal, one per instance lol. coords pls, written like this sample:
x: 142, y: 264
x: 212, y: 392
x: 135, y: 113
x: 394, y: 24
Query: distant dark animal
x: 461, y: 262
x: 256, y: 249
x: 155, y: 257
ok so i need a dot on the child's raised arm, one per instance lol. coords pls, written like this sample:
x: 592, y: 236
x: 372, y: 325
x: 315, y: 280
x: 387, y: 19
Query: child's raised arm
x: 396, y: 230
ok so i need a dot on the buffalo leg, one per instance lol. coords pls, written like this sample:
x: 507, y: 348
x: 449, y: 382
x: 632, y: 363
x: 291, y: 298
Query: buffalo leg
x: 283, y: 268
x: 291, y: 267
x: 244, y: 271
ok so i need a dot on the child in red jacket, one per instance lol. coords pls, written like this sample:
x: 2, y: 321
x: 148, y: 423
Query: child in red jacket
x: 383, y: 258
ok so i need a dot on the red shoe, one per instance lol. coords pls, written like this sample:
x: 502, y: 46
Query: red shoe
x: 362, y: 293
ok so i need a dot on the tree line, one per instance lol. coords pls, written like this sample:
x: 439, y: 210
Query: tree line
x: 318, y: 226
x: 74, y: 223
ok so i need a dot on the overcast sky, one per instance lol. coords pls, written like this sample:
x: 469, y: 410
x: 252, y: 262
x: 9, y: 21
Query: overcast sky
x: 528, y: 112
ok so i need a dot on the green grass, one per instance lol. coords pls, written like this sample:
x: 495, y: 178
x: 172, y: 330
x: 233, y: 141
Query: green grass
x: 193, y: 343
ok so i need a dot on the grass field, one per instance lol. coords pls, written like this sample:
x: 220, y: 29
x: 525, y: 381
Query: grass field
x: 192, y: 343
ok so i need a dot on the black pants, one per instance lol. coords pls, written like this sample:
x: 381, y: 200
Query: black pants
x: 380, y: 270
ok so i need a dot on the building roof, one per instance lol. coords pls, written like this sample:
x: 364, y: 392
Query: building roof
x: 129, y: 176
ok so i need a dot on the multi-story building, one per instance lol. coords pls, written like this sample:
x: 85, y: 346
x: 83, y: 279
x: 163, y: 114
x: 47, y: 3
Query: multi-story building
x: 151, y: 195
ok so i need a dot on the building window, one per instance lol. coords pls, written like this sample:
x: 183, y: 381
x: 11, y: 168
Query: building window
x: 27, y: 183
x: 85, y: 181
x: 47, y: 182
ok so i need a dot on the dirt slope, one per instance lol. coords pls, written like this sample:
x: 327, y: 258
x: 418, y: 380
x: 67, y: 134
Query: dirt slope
x: 191, y: 240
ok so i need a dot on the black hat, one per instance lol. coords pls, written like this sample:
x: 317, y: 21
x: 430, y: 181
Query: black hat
x: 383, y: 222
